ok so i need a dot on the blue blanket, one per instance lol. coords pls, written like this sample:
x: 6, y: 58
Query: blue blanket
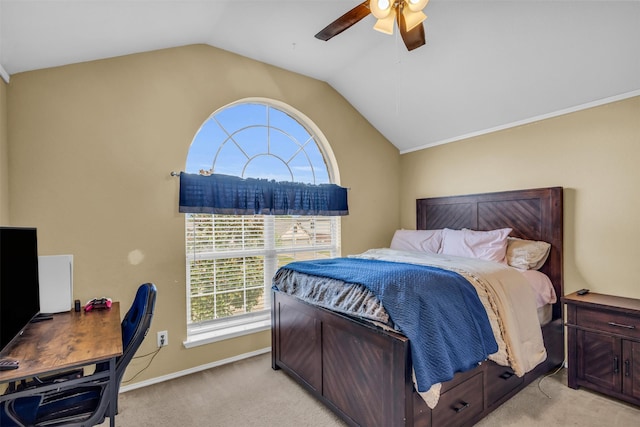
x: 438, y: 310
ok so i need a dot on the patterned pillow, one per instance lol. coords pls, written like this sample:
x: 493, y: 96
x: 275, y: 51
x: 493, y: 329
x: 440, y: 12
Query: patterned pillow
x: 527, y: 254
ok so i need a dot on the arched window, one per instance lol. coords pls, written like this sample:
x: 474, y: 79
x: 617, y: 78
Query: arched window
x: 231, y: 259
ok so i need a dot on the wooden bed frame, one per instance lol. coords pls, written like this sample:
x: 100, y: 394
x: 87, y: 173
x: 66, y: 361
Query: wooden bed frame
x: 363, y: 373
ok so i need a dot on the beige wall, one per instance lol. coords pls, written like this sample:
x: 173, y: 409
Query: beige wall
x: 91, y: 148
x: 4, y: 157
x: 593, y: 154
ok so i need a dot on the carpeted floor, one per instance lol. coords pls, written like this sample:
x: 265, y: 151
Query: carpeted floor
x: 250, y: 393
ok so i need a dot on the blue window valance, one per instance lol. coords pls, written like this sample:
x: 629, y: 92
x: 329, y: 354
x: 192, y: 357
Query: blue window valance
x: 232, y: 195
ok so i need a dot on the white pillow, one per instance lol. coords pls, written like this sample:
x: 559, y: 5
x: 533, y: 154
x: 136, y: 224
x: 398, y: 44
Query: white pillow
x: 527, y: 254
x: 489, y: 245
x: 417, y: 240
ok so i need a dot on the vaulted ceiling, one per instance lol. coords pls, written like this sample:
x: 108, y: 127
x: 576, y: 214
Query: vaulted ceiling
x: 487, y: 64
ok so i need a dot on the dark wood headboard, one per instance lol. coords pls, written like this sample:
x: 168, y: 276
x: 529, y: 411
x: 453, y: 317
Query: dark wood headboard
x: 534, y: 214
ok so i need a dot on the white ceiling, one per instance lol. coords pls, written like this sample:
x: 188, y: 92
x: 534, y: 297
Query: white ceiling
x: 487, y: 64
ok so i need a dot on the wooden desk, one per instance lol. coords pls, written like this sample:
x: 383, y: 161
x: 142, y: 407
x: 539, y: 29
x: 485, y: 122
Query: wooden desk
x: 70, y: 340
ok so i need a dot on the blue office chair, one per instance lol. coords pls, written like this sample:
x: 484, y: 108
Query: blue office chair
x: 85, y: 404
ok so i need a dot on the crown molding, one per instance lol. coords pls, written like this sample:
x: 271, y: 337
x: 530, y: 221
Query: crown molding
x: 562, y: 112
x: 3, y: 73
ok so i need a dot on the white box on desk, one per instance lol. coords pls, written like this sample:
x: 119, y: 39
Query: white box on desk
x: 56, y: 283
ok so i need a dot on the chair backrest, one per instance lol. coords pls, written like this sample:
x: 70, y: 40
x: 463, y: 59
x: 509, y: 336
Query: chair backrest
x: 135, y: 326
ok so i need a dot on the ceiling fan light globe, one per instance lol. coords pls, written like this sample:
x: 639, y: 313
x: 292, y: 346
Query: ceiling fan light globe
x: 413, y: 19
x: 385, y: 25
x: 381, y: 9
x: 416, y: 5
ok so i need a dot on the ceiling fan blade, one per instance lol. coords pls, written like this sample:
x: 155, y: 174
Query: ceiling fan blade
x: 345, y: 21
x: 412, y: 39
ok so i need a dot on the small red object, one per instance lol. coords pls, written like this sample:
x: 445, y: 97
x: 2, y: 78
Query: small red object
x: 98, y: 304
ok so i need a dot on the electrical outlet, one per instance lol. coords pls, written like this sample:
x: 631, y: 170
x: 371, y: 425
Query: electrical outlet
x: 163, y: 338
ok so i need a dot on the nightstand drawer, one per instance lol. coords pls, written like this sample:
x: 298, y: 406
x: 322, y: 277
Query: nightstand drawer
x: 607, y: 321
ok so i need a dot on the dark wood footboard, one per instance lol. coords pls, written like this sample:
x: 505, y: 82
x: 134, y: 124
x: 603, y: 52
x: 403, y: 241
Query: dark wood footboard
x: 363, y: 373
x: 359, y: 371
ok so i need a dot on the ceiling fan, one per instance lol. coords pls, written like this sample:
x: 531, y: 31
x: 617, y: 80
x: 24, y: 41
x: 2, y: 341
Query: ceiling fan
x: 408, y: 14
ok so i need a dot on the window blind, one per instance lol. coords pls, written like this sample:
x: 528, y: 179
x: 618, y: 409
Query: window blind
x: 231, y: 259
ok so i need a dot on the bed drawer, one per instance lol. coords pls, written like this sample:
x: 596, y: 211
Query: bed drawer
x: 461, y: 404
x: 608, y: 321
x: 500, y: 381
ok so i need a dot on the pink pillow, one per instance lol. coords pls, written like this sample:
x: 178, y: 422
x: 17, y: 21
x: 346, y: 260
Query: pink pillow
x: 417, y: 240
x: 542, y: 287
x: 490, y: 245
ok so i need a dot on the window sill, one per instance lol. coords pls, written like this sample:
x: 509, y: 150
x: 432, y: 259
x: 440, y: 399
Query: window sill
x: 222, y: 334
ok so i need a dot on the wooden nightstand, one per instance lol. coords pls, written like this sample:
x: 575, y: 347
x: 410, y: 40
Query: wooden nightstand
x: 603, y: 338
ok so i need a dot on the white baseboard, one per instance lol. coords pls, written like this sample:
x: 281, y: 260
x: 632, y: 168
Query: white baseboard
x: 193, y: 370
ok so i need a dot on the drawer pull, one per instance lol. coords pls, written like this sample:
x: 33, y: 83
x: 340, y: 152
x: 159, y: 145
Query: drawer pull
x: 461, y: 406
x: 506, y: 375
x: 627, y: 368
x: 620, y: 325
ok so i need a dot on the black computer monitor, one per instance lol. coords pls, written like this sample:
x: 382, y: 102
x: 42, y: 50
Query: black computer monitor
x: 19, y: 284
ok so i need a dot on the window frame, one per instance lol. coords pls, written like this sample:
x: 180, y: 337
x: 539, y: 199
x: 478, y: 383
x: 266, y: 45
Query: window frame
x: 237, y: 325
